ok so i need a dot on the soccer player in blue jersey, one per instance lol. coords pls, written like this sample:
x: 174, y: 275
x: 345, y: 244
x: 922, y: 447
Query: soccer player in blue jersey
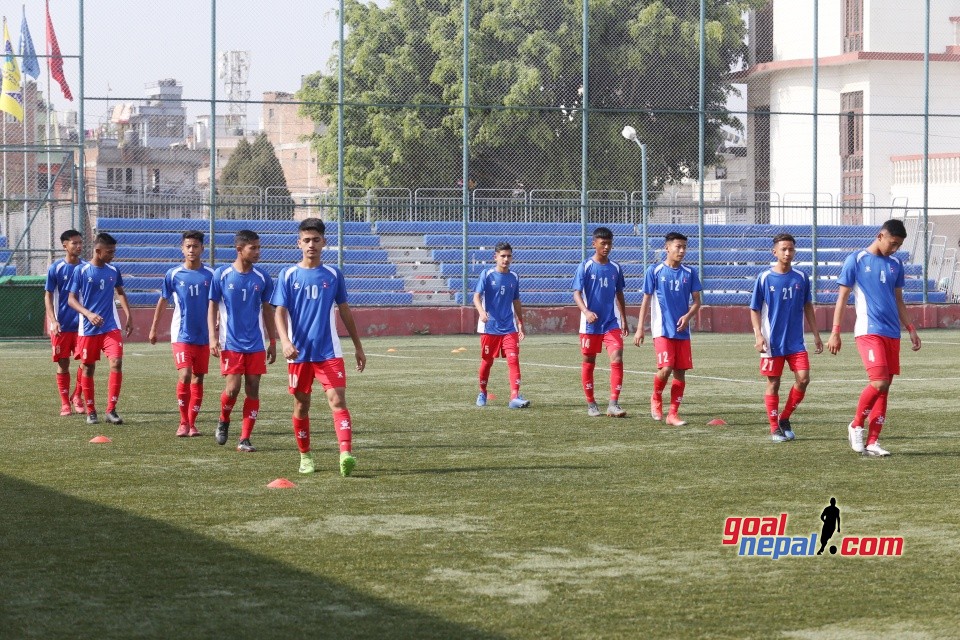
x: 667, y: 290
x: 240, y: 324
x: 782, y: 298
x: 187, y: 288
x: 63, y: 321
x: 94, y: 286
x: 305, y: 297
x: 876, y: 278
x: 598, y: 292
x: 500, y: 325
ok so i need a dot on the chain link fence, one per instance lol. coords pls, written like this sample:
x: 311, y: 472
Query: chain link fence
x: 422, y: 148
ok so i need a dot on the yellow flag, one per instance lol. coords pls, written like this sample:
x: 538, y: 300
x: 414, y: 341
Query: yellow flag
x: 11, y: 100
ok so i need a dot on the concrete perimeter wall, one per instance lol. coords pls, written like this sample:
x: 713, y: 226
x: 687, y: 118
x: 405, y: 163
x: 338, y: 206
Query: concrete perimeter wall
x: 406, y: 321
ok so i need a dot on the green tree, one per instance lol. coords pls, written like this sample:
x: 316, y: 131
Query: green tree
x: 253, y: 181
x: 403, y: 86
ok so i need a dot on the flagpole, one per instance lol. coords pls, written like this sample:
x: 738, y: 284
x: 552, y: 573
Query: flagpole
x: 23, y: 97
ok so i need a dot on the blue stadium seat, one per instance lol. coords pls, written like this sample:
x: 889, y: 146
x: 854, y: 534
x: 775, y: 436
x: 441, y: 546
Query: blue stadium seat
x: 380, y: 299
x: 3, y: 242
x: 723, y: 299
x: 511, y: 229
x: 519, y: 242
x: 167, y: 239
x: 180, y: 225
x: 4, y: 256
x: 9, y: 270
x: 375, y: 284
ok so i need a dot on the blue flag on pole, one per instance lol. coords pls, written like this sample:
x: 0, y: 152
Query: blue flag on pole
x: 31, y: 66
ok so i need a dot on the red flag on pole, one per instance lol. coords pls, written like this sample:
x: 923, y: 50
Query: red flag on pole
x: 55, y: 61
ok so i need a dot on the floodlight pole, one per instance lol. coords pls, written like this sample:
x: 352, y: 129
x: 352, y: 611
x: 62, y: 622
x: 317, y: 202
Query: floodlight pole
x: 584, y: 138
x: 702, y: 121
x: 631, y: 134
x: 926, y: 150
x: 340, y: 138
x: 465, y: 150
x: 816, y: 109
x: 212, y: 238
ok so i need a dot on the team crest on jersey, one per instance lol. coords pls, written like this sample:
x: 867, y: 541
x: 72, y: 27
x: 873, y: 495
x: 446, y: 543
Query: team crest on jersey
x: 296, y: 285
x: 326, y: 284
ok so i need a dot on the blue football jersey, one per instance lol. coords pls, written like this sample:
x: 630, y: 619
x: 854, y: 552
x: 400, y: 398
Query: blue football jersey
x: 188, y: 290
x: 599, y: 284
x: 497, y: 293
x: 58, y: 283
x: 239, y: 298
x: 780, y: 299
x: 94, y: 287
x: 309, y: 296
x: 874, y: 280
x: 670, y: 290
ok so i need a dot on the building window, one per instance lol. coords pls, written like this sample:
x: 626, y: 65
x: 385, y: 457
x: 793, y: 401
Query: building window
x: 269, y: 114
x: 156, y: 180
x: 111, y: 184
x: 851, y: 156
x: 129, y: 181
x: 852, y: 25
x: 42, y: 182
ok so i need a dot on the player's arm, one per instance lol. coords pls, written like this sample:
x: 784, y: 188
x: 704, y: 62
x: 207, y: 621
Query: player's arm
x: 834, y: 343
x: 52, y: 324
x: 478, y: 304
x: 644, y: 305
x: 622, y: 305
x: 578, y: 299
x: 759, y: 343
x: 905, y: 320
x: 161, y: 307
x: 125, y: 305
x: 271, y: 326
x: 347, y: 316
x: 289, y: 350
x: 212, y: 329
x: 73, y: 301
x: 518, y: 314
x: 811, y: 317
x: 685, y: 319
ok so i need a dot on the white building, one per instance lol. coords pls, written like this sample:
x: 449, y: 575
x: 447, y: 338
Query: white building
x: 870, y: 101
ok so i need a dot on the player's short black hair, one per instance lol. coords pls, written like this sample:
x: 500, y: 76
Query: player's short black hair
x: 244, y: 237
x: 675, y: 235
x: 502, y: 246
x: 193, y: 234
x: 69, y: 233
x: 312, y: 224
x: 104, y: 238
x: 781, y: 237
x: 603, y: 233
x: 895, y: 228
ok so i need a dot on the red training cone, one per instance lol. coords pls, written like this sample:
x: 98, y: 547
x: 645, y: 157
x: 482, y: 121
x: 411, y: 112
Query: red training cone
x: 101, y: 440
x: 281, y: 483
x: 491, y: 396
x: 717, y: 422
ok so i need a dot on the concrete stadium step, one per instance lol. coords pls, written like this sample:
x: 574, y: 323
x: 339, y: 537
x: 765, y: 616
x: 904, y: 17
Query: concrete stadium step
x: 405, y: 242
x: 427, y: 299
x: 418, y: 284
x: 399, y: 256
x: 415, y: 270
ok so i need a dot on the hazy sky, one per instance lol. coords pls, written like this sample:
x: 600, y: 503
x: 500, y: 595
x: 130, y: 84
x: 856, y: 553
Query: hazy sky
x: 131, y: 43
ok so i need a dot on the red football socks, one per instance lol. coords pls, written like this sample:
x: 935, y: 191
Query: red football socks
x: 793, y: 400
x: 616, y: 380
x: 868, y: 397
x: 773, y: 403
x: 485, y: 366
x: 63, y: 386
x: 113, y: 390
x: 343, y: 427
x: 301, y: 431
x: 87, y: 385
x: 676, y: 396
x: 226, y: 406
x: 586, y: 378
x: 196, y: 399
x: 877, y: 417
x: 183, y: 402
x: 513, y: 367
x: 251, y: 408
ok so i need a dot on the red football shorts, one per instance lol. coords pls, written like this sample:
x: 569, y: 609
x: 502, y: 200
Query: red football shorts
x: 194, y: 356
x: 331, y: 374
x: 498, y: 346
x: 773, y: 367
x: 592, y: 343
x: 673, y: 353
x: 880, y: 355
x: 64, y: 344
x: 234, y: 362
x: 89, y: 347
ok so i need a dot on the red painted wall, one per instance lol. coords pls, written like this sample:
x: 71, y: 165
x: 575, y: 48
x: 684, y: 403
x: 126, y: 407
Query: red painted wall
x: 405, y: 321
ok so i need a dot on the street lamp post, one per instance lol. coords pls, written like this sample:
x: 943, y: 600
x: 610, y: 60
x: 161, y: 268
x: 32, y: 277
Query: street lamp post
x: 631, y: 134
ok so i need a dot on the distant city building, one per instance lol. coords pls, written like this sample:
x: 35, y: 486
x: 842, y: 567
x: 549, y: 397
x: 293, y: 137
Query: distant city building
x: 871, y: 62
x: 139, y: 164
x: 289, y: 133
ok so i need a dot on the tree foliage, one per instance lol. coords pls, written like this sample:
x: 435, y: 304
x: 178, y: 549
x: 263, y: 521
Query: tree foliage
x: 403, y: 87
x: 253, y: 180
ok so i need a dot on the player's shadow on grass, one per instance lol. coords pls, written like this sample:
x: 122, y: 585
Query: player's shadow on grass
x: 76, y: 569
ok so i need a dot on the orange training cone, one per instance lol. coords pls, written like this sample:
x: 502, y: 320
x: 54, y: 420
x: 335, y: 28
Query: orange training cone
x: 391, y: 350
x: 490, y: 396
x: 281, y: 483
x: 717, y: 422
x: 100, y: 440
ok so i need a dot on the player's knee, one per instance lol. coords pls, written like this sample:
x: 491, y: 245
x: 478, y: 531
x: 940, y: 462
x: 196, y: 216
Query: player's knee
x: 802, y: 383
x: 197, y: 378
x: 773, y: 386
x: 881, y: 385
x: 487, y: 359
x: 116, y: 365
x: 337, y: 399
